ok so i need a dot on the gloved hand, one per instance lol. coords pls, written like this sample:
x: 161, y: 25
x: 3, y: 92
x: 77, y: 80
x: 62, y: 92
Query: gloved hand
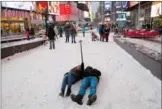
x: 82, y: 65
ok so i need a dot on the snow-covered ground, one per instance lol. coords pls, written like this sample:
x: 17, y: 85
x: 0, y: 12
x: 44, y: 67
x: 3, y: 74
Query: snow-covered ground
x: 32, y: 79
x: 151, y: 45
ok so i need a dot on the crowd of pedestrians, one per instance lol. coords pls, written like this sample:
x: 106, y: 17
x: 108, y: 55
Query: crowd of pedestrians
x: 104, y: 31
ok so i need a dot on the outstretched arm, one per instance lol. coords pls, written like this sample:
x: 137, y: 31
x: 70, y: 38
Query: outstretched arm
x: 82, y: 66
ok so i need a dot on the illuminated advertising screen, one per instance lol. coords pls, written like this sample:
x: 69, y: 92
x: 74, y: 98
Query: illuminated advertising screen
x: 53, y: 8
x: 41, y: 6
x: 65, y: 9
x: 133, y: 3
x: 156, y: 9
x: 18, y: 5
x: 107, y: 6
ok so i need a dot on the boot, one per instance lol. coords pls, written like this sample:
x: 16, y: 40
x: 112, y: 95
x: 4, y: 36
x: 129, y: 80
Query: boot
x: 92, y: 99
x: 68, y: 92
x: 77, y: 98
x: 62, y: 93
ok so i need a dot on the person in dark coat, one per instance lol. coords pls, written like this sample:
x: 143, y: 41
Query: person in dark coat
x: 67, y: 32
x: 106, y: 32
x: 51, y: 36
x: 90, y: 79
x: 70, y: 78
x: 32, y: 33
x: 73, y: 33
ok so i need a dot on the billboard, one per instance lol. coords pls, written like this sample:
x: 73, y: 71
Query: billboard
x: 156, y: 9
x: 118, y: 4
x: 107, y: 6
x: 125, y: 4
x: 133, y: 3
x: 53, y: 8
x: 65, y: 9
x: 18, y: 5
x: 41, y: 6
x: 86, y: 14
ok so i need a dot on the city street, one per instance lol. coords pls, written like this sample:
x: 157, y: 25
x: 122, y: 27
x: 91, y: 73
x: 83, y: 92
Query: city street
x: 32, y: 79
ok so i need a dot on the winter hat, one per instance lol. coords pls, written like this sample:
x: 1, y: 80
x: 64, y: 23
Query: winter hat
x: 88, y: 69
x: 97, y: 72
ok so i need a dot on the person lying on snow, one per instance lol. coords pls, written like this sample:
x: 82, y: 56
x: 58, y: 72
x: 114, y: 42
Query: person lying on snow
x: 90, y: 79
x: 70, y: 78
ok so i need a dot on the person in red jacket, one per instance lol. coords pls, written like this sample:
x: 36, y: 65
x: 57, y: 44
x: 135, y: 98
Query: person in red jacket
x: 27, y: 34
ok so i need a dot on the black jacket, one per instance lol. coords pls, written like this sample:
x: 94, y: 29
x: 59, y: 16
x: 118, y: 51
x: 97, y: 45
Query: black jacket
x: 32, y: 31
x: 78, y: 74
x: 107, y: 30
x: 89, y: 71
x: 67, y: 30
x: 51, y: 33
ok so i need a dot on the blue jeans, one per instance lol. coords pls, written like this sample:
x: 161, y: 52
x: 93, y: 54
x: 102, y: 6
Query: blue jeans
x: 91, y: 81
x: 68, y: 79
x: 73, y: 38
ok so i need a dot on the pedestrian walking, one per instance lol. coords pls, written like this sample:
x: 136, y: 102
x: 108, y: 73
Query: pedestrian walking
x: 27, y: 32
x: 51, y: 37
x: 73, y: 34
x: 60, y: 31
x: 106, y: 32
x: 83, y: 31
x: 90, y: 79
x: 67, y: 32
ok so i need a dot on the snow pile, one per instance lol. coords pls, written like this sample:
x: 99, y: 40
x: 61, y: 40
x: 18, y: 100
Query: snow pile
x: 5, y: 45
x: 31, y: 80
x: 144, y: 47
x: 151, y: 45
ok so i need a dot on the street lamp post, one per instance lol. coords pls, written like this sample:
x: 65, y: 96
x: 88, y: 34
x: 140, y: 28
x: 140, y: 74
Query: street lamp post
x: 46, y: 19
x: 139, y: 14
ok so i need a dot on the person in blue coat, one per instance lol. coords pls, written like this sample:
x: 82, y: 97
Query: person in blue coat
x: 90, y: 79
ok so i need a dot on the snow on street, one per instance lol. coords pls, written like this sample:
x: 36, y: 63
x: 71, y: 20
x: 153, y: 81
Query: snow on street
x: 32, y: 79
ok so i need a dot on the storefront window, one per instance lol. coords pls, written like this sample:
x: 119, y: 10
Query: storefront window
x: 13, y: 21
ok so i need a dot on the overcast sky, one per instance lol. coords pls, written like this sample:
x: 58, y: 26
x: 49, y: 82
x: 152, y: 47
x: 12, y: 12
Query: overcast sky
x: 95, y: 7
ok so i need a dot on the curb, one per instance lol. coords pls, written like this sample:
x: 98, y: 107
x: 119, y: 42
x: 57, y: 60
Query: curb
x: 9, y: 51
x: 151, y: 63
